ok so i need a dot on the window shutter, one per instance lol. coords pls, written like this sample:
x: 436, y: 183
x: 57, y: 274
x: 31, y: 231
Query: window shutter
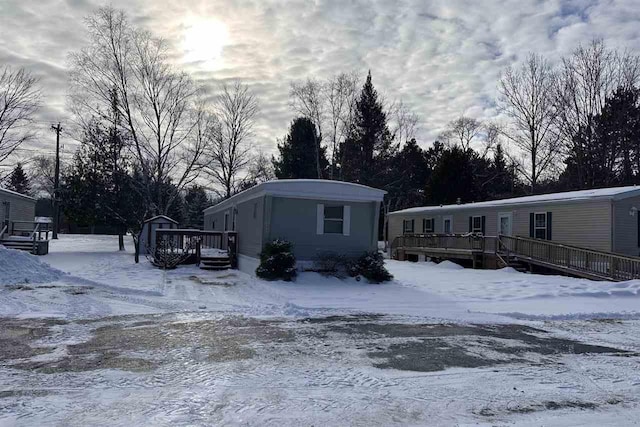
x: 484, y: 224
x: 531, y: 225
x: 470, y: 224
x: 320, y: 220
x: 346, y: 221
x: 549, y: 225
x: 413, y: 226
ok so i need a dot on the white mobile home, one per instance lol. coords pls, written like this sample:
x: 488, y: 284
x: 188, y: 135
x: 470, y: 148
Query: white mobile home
x: 317, y: 216
x: 604, y: 219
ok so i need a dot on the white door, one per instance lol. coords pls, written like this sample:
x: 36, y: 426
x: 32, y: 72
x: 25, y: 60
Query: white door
x: 447, y: 225
x: 505, y: 223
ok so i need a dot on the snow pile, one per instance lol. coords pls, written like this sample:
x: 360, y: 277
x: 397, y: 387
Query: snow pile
x: 21, y: 267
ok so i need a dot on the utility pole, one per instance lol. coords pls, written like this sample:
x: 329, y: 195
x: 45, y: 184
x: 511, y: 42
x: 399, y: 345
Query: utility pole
x: 56, y: 183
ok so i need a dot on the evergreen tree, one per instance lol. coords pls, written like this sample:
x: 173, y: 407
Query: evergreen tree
x: 19, y: 182
x: 196, y: 200
x: 297, y: 159
x: 411, y: 171
x: 453, y: 178
x: 367, y: 151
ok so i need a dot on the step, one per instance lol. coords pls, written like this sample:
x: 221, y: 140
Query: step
x: 215, y: 267
x: 216, y: 262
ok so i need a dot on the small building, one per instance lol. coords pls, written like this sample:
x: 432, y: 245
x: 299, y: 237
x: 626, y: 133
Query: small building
x: 603, y: 219
x: 148, y: 235
x: 316, y: 216
x: 15, y: 208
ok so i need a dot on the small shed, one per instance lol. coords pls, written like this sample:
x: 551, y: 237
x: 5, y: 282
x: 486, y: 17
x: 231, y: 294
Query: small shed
x: 148, y: 235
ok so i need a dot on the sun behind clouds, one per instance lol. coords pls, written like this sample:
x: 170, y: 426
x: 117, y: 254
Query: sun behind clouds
x: 203, y: 41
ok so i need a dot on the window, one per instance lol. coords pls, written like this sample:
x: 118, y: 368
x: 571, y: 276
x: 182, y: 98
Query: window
x: 226, y: 221
x: 427, y: 225
x: 407, y: 226
x: 213, y: 224
x: 540, y: 226
x: 333, y: 219
x: 477, y: 224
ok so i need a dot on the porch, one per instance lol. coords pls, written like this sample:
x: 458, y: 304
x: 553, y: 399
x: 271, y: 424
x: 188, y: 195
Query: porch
x: 210, y: 250
x: 30, y: 236
x: 501, y: 251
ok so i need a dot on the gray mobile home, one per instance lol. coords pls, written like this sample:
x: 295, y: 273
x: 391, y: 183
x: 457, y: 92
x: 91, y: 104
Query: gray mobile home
x: 604, y: 219
x: 317, y: 216
x: 15, y: 207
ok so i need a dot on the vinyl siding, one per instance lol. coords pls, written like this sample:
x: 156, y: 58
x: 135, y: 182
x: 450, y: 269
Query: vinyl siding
x: 250, y: 228
x: 586, y: 224
x: 296, y: 220
x: 21, y: 209
x: 625, y: 236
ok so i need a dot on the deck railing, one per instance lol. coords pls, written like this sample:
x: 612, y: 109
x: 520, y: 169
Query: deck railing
x: 570, y: 259
x: 602, y: 264
x: 466, y: 242
x: 30, y: 229
x: 194, y: 241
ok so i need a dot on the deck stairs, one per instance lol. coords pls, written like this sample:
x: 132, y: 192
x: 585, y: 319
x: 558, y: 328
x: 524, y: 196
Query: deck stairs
x: 217, y: 262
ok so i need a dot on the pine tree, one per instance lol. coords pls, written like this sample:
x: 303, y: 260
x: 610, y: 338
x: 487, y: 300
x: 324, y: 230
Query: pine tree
x: 19, y: 182
x: 297, y: 159
x: 196, y: 200
x: 367, y: 151
x: 453, y: 178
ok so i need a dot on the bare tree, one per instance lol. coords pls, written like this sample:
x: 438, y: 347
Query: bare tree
x: 526, y: 97
x: 404, y: 121
x: 585, y: 79
x: 340, y: 95
x: 42, y: 174
x: 229, y: 152
x: 128, y: 69
x: 307, y: 99
x: 19, y: 101
x: 462, y: 131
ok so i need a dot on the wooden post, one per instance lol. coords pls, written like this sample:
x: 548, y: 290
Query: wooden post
x: 198, y: 252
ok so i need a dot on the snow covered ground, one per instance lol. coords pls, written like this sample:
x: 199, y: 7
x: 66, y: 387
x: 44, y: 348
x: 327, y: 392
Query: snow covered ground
x: 84, y: 305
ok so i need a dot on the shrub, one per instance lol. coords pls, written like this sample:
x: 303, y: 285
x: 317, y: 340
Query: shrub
x: 277, y: 261
x: 370, y: 266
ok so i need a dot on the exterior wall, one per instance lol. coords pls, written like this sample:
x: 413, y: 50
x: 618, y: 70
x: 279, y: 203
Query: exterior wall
x: 21, y: 208
x: 586, y: 224
x: 625, y: 236
x: 250, y: 227
x: 296, y: 220
x: 215, y: 221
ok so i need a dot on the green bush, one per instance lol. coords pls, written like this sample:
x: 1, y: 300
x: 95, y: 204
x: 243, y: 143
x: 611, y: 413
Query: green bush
x: 371, y: 267
x: 277, y: 262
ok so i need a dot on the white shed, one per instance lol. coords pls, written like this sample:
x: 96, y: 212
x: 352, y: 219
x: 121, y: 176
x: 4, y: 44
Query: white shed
x: 148, y: 235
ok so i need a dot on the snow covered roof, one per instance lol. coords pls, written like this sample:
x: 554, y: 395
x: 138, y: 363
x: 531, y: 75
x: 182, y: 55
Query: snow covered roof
x: 613, y: 193
x: 305, y: 189
x: 15, y: 193
x: 161, y: 217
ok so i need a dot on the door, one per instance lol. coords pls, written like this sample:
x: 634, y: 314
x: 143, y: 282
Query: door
x: 447, y: 225
x: 505, y: 223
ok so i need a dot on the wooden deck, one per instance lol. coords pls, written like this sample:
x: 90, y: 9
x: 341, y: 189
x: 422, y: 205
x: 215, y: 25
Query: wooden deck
x: 492, y: 252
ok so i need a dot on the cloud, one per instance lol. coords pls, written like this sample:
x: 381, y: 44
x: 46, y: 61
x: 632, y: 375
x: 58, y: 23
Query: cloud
x: 442, y: 58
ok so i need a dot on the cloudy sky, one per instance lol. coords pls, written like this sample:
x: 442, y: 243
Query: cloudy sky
x: 442, y: 58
